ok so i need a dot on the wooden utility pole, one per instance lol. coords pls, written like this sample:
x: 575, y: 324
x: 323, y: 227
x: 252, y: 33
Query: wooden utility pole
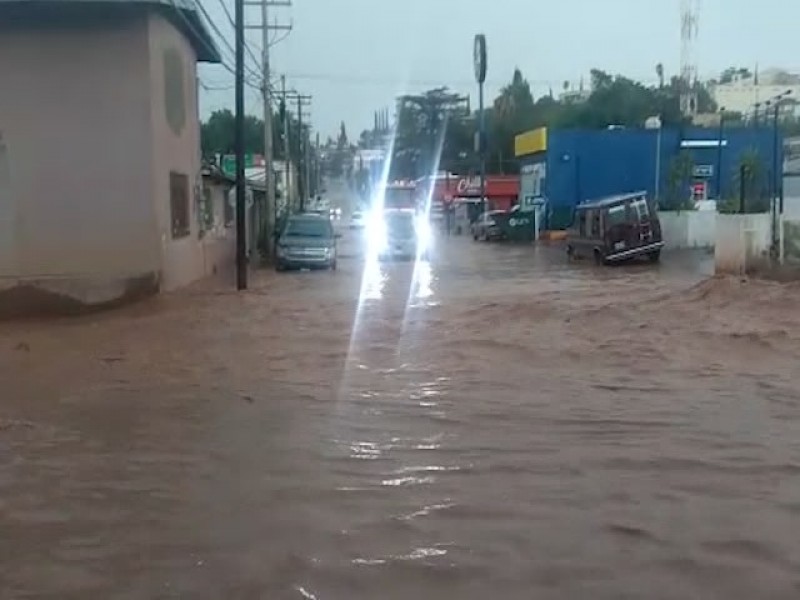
x: 241, y: 230
x: 268, y: 219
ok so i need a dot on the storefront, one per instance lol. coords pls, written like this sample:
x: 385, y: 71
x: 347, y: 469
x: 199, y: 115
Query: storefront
x: 561, y: 169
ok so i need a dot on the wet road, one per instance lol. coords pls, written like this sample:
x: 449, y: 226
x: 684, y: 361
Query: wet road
x: 496, y: 424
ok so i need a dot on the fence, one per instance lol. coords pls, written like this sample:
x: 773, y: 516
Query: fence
x: 743, y: 243
x: 688, y: 228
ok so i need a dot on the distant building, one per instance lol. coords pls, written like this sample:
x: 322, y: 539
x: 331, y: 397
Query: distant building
x: 744, y: 93
x: 101, y: 185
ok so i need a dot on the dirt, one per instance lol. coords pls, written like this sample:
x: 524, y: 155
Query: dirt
x: 499, y: 424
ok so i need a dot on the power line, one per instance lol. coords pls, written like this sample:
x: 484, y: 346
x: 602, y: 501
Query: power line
x: 210, y: 22
x: 233, y: 24
x: 201, y: 38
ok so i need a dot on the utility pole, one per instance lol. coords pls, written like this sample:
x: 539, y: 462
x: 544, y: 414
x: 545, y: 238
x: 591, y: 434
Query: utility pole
x: 241, y: 229
x: 269, y: 183
x: 286, y: 154
x: 317, y: 178
x: 302, y: 148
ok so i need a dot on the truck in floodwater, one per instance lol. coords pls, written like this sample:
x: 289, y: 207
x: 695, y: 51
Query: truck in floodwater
x: 400, y: 195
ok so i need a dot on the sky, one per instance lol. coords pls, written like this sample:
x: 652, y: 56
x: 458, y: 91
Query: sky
x: 356, y: 56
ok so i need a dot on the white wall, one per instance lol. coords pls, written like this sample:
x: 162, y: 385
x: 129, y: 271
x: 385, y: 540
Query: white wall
x: 182, y: 258
x: 742, y: 243
x: 688, y: 228
x: 75, y: 168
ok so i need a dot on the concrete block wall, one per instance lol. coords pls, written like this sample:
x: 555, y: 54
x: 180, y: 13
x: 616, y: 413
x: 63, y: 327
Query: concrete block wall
x: 743, y: 243
x: 688, y: 229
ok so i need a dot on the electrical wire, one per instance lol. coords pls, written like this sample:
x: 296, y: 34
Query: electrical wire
x: 233, y: 24
x: 277, y: 40
x: 210, y: 22
x: 179, y: 10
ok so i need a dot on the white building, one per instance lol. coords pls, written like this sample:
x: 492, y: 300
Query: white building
x: 743, y: 94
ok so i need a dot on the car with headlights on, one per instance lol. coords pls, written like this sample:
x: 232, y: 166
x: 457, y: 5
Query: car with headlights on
x: 307, y: 241
x: 400, y: 233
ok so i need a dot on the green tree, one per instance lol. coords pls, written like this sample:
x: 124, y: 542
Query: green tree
x: 218, y: 134
x: 513, y: 112
x: 424, y: 136
x: 681, y: 170
x: 730, y: 73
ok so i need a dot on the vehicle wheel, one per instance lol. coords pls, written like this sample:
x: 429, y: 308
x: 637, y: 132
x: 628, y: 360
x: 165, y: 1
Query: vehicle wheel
x: 475, y: 236
x: 280, y: 267
x: 570, y: 253
x: 598, y: 257
x: 654, y: 256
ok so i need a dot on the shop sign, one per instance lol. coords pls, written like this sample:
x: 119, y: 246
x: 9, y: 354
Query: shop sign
x: 703, y: 171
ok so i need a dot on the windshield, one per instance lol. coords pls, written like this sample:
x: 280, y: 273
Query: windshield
x: 308, y: 228
x: 398, y: 197
x: 400, y: 225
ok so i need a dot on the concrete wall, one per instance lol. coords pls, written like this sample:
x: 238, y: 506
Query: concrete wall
x: 218, y: 242
x: 75, y: 165
x: 689, y: 228
x: 176, y: 147
x: 743, y: 243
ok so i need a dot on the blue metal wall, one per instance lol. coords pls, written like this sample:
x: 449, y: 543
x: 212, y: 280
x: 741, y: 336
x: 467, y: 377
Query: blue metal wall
x: 584, y: 165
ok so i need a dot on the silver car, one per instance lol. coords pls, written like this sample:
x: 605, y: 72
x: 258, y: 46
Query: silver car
x: 307, y: 242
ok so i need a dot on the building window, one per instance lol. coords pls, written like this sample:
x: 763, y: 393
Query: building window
x: 179, y: 204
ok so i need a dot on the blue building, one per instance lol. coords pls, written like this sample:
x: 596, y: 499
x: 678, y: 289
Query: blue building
x: 561, y: 168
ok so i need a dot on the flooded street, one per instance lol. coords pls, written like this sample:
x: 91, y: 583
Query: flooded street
x: 495, y: 424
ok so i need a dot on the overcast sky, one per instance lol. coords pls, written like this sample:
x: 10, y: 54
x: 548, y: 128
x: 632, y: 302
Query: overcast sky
x: 355, y: 56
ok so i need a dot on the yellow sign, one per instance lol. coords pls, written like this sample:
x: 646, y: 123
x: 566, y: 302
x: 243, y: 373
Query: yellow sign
x: 530, y: 142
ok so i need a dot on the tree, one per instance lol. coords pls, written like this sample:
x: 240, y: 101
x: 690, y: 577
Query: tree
x: 423, y: 141
x: 660, y: 75
x: 681, y: 170
x: 218, y: 134
x: 342, y: 142
x: 514, y: 111
x: 731, y: 73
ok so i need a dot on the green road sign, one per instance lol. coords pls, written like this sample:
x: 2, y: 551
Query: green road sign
x: 229, y: 163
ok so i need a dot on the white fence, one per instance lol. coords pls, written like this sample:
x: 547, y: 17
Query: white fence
x: 743, y: 243
x: 688, y: 228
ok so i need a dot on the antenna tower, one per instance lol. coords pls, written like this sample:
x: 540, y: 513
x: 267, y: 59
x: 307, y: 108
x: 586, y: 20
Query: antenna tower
x: 690, y: 16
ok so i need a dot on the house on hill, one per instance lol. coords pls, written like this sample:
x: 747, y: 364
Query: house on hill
x: 100, y: 169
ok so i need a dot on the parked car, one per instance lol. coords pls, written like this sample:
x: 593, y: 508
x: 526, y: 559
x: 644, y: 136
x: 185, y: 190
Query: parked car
x: 487, y: 226
x: 357, y: 220
x: 307, y: 241
x: 616, y: 229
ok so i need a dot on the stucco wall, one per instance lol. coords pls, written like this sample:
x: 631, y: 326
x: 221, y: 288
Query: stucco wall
x: 75, y: 169
x: 742, y: 243
x: 176, y: 147
x: 219, y: 248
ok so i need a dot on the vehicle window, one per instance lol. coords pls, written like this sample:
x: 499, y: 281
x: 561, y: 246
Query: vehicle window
x: 308, y: 228
x: 615, y: 215
x: 582, y: 222
x: 595, y: 223
x: 401, y: 225
x: 640, y: 209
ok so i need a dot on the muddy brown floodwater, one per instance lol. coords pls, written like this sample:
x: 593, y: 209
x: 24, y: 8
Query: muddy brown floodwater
x: 495, y: 425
